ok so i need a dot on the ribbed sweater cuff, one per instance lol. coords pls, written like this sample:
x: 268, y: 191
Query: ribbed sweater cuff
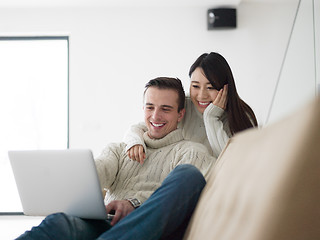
x: 213, y: 110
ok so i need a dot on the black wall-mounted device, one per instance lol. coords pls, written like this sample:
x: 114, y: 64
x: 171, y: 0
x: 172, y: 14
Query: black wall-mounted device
x: 222, y: 18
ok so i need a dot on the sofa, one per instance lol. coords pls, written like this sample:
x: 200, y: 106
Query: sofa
x: 265, y: 185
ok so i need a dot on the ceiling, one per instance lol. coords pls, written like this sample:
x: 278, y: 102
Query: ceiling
x: 127, y: 3
x: 87, y: 3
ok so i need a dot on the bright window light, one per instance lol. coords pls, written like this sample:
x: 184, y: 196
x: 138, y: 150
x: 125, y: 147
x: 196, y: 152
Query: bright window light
x: 33, y: 103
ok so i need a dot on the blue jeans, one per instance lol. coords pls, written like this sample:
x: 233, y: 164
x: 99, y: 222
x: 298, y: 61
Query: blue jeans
x: 165, y: 215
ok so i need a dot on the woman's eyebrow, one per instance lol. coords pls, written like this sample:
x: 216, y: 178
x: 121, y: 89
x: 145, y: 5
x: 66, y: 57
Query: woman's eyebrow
x: 199, y: 82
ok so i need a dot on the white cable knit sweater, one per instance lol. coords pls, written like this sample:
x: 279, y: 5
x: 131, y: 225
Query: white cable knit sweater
x: 125, y: 178
x: 210, y: 129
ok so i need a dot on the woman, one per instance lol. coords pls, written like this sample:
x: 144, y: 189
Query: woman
x: 214, y: 110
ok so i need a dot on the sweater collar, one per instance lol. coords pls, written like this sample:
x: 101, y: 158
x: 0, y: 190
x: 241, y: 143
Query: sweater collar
x: 200, y: 115
x: 172, y: 137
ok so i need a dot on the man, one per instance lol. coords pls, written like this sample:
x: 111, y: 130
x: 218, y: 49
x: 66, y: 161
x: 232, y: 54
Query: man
x: 167, y: 208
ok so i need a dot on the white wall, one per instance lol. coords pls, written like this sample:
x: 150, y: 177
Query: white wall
x: 297, y: 83
x: 114, y: 51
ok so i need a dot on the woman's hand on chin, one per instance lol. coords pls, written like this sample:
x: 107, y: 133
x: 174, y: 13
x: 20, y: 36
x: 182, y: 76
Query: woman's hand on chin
x: 221, y: 99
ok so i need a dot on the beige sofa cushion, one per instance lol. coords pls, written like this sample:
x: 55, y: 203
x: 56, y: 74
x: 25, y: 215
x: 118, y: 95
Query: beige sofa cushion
x: 265, y: 185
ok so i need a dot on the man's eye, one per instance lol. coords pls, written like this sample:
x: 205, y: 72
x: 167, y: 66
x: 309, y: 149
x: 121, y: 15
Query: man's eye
x: 166, y: 109
x: 149, y: 108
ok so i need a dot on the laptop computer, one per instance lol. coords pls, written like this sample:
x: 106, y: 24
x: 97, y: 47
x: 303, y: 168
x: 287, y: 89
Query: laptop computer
x: 51, y: 181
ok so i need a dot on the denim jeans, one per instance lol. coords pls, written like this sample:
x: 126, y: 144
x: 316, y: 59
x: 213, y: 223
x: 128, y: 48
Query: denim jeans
x: 165, y: 215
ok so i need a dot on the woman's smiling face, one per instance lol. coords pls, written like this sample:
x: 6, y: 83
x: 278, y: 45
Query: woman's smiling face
x: 201, y: 91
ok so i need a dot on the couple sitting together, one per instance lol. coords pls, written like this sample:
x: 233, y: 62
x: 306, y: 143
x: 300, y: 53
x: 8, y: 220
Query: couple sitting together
x: 155, y: 177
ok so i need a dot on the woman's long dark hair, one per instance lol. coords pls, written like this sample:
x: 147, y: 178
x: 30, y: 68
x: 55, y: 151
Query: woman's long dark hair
x: 218, y: 72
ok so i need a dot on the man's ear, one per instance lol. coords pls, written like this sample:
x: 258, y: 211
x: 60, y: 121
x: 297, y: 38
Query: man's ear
x: 181, y: 114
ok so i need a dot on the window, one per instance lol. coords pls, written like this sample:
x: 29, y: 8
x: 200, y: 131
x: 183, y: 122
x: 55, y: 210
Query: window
x: 33, y: 103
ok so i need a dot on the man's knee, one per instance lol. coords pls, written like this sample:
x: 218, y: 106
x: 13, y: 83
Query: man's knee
x: 192, y: 173
x: 189, y: 169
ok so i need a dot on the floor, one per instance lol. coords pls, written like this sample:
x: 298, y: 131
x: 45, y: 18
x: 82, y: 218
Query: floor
x: 13, y: 226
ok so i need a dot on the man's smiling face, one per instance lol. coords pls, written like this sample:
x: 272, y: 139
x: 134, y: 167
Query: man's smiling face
x: 161, y: 111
